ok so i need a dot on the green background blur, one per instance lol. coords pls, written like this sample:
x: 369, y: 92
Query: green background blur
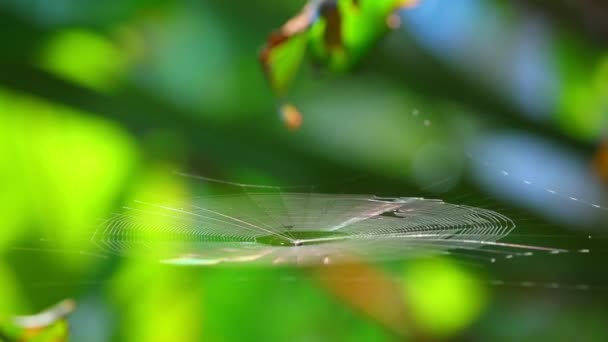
x: 101, y: 101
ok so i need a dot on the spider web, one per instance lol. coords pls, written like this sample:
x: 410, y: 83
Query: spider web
x: 268, y: 225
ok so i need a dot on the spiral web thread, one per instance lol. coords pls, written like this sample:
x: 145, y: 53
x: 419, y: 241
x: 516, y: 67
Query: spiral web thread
x: 269, y: 225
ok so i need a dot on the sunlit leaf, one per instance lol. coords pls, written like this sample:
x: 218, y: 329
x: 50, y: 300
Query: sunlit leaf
x: 339, y: 33
x: 47, y: 326
x: 86, y: 58
x: 285, y: 49
x: 71, y: 193
x: 444, y: 297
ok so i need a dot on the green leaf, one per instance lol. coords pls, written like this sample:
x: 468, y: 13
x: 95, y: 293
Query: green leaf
x: 282, y: 59
x: 339, y: 35
x: 47, y: 326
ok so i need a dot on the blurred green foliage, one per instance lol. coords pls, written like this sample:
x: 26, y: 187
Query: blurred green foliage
x: 445, y: 297
x: 57, y: 332
x: 101, y: 101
